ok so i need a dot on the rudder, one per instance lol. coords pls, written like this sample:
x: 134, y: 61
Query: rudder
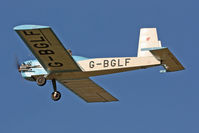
x: 148, y: 40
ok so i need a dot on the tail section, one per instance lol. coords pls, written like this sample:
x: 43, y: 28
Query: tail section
x: 148, y: 40
x: 167, y: 59
x: 149, y: 45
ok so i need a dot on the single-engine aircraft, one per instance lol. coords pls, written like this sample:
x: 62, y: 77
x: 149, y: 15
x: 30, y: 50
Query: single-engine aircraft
x: 56, y: 63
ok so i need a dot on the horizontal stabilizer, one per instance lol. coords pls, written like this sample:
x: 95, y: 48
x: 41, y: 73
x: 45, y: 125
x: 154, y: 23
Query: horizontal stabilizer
x: 168, y: 60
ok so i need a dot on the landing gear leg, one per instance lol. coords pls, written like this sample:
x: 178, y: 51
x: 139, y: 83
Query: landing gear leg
x: 56, y: 95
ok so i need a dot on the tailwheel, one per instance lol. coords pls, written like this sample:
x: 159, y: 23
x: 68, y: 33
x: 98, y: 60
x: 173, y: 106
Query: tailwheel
x: 56, y: 95
x: 41, y: 80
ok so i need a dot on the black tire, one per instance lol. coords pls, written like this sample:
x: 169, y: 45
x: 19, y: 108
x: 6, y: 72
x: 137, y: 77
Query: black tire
x: 41, y: 81
x: 56, y: 95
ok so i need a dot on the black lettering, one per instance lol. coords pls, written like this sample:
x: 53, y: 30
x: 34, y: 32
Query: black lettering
x: 106, y: 62
x: 46, y: 52
x: 51, y: 59
x: 41, y: 45
x: 99, y: 64
x: 127, y: 61
x: 91, y: 64
x: 41, y: 39
x: 29, y: 33
x: 113, y: 63
x: 55, y: 64
x: 119, y: 65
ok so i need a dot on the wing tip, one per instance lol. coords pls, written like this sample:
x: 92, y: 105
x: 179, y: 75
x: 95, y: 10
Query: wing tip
x: 29, y: 27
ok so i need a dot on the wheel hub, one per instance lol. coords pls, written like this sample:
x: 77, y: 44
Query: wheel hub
x: 56, y: 95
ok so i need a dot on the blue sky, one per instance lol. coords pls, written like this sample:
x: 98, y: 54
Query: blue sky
x: 103, y: 28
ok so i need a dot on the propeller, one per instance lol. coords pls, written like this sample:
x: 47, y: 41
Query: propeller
x: 17, y: 64
x: 25, y: 67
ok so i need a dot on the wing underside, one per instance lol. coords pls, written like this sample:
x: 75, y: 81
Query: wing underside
x: 47, y: 48
x: 88, y: 90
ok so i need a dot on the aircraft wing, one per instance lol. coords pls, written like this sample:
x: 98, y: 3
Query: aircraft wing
x: 88, y: 90
x: 47, y: 48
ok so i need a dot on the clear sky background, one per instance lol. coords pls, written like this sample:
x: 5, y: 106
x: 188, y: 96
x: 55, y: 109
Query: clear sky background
x: 150, y: 102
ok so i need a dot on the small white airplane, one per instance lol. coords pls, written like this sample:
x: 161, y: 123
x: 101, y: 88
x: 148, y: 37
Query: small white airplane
x: 55, y: 63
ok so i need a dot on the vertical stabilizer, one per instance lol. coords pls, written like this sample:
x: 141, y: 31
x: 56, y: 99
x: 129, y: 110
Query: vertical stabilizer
x: 148, y: 40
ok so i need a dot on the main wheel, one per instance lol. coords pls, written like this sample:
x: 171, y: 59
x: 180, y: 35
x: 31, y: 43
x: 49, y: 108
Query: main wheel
x: 56, y: 95
x: 41, y: 80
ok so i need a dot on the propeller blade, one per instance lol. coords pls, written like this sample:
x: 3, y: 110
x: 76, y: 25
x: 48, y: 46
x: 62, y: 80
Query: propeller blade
x: 17, y: 64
